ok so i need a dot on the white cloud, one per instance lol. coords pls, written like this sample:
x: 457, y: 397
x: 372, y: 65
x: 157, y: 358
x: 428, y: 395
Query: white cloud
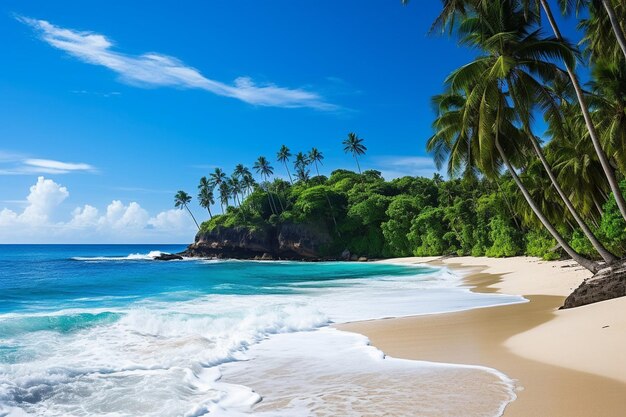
x: 86, y: 216
x: 44, y: 197
x: 50, y: 166
x: 118, y: 223
x: 170, y: 220
x: 152, y: 69
x: 18, y: 164
x: 119, y: 216
x: 7, y: 217
x: 401, y: 166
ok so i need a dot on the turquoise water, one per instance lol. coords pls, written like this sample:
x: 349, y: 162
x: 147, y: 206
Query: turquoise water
x: 105, y: 330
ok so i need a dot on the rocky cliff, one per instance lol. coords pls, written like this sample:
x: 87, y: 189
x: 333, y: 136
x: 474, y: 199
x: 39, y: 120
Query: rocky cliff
x: 285, y: 241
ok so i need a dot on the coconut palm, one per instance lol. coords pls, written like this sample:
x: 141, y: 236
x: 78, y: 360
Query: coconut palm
x: 354, y: 145
x: 235, y: 188
x: 302, y: 174
x: 217, y: 179
x: 593, y: 133
x: 486, y: 139
x: 608, y: 15
x: 225, y: 193
x: 263, y: 167
x: 247, y: 181
x: 283, y: 156
x: 516, y: 65
x: 205, y: 195
x: 302, y: 161
x: 316, y: 157
x: 455, y: 9
x: 182, y: 200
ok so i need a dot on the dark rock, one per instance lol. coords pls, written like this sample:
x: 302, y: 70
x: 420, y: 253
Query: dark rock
x: 267, y: 257
x: 167, y: 257
x: 605, y: 284
x: 354, y: 258
x: 286, y: 241
x: 345, y: 255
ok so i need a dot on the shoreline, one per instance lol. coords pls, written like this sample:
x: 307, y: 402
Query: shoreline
x: 565, y: 362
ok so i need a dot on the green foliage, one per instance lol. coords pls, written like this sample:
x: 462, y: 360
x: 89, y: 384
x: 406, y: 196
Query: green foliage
x: 505, y: 239
x: 539, y: 243
x: 400, y: 212
x: 613, y: 226
x: 412, y: 216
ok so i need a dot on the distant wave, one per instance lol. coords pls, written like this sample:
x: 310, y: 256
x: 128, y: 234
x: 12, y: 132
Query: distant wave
x: 132, y: 257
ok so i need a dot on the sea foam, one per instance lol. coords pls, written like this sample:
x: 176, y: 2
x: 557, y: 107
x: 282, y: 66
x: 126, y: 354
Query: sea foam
x: 266, y: 354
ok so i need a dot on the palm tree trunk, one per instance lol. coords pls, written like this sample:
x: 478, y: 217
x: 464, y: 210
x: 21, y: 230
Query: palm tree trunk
x: 357, y: 163
x: 604, y: 161
x: 209, y: 210
x: 191, y: 214
x: 288, y: 173
x: 269, y: 198
x: 588, y: 264
x: 619, y: 33
x: 604, y: 253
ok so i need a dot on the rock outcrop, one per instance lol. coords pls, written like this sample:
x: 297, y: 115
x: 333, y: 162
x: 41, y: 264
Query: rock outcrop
x: 168, y: 257
x: 285, y: 241
x: 608, y: 283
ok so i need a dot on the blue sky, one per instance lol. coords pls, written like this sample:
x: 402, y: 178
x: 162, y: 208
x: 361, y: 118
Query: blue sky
x: 118, y: 105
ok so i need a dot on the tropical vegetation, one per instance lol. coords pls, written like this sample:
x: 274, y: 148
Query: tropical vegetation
x: 516, y: 186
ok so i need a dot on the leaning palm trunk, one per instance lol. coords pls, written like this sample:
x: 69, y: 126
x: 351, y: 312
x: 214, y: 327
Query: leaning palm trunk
x: 619, y: 32
x: 192, y: 216
x: 357, y: 163
x: 586, y: 263
x: 209, y: 210
x: 604, y: 161
x: 288, y: 172
x: 269, y: 198
x: 604, y: 253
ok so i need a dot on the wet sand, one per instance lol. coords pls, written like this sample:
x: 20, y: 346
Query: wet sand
x: 565, y: 363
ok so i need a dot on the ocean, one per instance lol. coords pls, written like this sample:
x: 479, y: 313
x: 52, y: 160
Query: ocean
x: 103, y: 330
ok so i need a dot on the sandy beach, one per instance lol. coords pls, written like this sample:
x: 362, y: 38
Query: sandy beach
x: 565, y: 362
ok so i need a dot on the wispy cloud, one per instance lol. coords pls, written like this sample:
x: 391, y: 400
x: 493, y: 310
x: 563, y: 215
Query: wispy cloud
x: 17, y: 164
x: 400, y: 166
x: 153, y: 69
x: 97, y: 93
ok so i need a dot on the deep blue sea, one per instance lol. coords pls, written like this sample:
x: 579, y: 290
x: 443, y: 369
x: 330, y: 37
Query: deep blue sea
x: 104, y: 330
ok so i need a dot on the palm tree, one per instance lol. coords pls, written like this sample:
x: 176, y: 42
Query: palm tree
x: 610, y: 18
x: 217, y: 179
x: 316, y: 157
x: 263, y: 167
x: 235, y: 188
x: 593, y: 133
x: 205, y: 195
x: 302, y: 174
x: 224, y: 190
x: 516, y: 66
x: 484, y: 139
x: 354, y: 145
x: 453, y: 9
x: 283, y: 156
x: 182, y: 199
x: 247, y: 181
x: 302, y: 161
